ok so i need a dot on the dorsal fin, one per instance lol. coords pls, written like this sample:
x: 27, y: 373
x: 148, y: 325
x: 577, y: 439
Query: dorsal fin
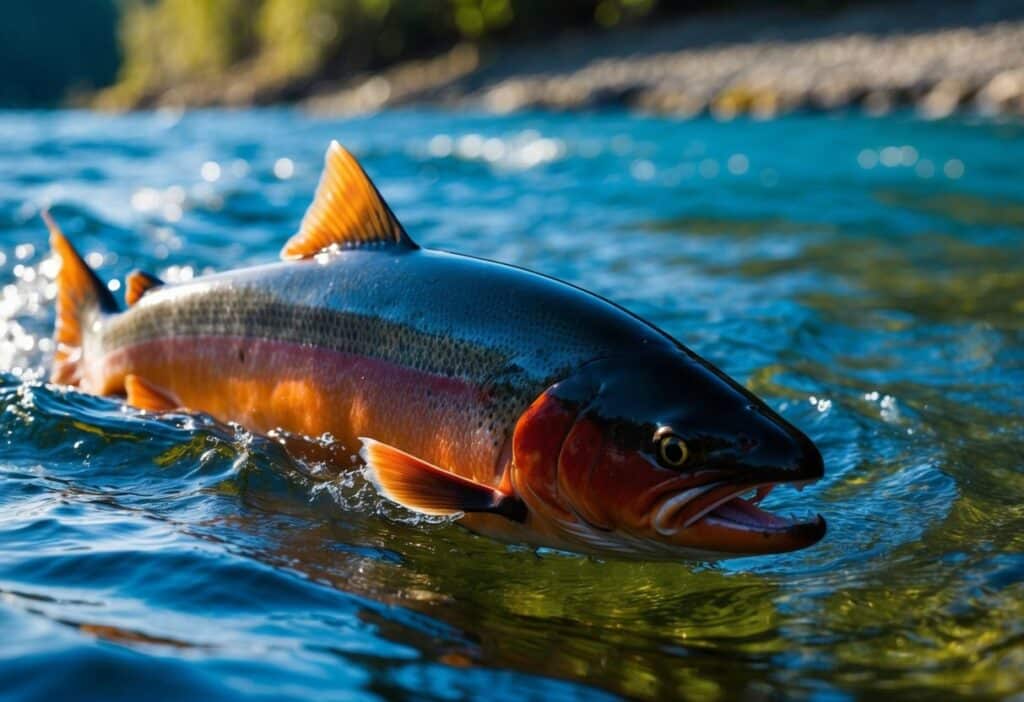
x: 136, y: 285
x: 347, y: 211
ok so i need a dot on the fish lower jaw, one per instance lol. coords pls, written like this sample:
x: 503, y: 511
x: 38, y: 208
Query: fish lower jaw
x: 725, y: 505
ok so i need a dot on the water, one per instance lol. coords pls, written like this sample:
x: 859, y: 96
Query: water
x: 863, y: 275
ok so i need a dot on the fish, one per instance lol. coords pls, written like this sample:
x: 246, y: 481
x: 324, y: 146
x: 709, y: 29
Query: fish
x: 523, y: 407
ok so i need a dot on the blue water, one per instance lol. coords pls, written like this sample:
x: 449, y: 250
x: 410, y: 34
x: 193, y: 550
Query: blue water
x: 864, y: 275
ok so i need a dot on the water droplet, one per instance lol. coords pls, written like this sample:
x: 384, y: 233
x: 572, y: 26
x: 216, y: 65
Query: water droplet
x: 471, y: 146
x: 708, y: 168
x: 494, y: 149
x: 890, y: 156
x: 642, y: 170
x: 738, y: 164
x: 175, y: 194
x: 210, y: 171
x: 284, y: 168
x: 171, y: 211
x: 440, y: 146
x: 953, y: 169
x: 145, y: 200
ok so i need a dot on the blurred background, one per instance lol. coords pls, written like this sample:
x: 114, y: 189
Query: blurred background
x: 685, y: 57
x: 824, y: 199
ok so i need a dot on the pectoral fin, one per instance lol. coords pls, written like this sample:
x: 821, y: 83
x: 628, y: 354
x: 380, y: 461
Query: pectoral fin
x: 423, y: 487
x: 144, y: 395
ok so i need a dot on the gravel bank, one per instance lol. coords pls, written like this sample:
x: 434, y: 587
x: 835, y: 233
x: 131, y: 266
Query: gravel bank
x: 957, y: 56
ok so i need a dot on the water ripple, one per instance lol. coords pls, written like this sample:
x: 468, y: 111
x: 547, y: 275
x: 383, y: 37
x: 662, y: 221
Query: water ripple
x: 861, y: 274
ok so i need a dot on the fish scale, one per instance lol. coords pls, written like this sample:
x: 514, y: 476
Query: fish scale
x: 529, y: 408
x: 508, y: 352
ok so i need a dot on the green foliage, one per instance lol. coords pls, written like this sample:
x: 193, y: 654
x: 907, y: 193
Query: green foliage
x: 271, y: 43
x: 176, y: 40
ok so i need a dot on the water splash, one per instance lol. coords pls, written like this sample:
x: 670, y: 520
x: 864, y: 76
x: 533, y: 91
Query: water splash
x: 860, y: 274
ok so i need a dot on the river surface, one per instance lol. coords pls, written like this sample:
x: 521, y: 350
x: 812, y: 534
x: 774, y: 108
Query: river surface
x: 865, y: 276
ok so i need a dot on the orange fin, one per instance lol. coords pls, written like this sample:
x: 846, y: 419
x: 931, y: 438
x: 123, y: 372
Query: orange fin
x: 136, y: 285
x: 423, y: 487
x: 144, y: 395
x: 80, y: 296
x: 347, y: 211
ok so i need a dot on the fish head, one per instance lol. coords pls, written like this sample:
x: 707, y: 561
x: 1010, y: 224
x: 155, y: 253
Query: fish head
x: 661, y: 456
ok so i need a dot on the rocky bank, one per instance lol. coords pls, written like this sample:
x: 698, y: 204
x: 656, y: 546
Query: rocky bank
x: 934, y: 57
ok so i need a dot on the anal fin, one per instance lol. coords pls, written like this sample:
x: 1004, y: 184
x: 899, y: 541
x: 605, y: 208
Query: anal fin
x: 146, y: 396
x: 423, y: 487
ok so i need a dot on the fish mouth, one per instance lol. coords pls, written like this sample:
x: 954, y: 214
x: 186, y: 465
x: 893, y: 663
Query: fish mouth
x: 724, y: 516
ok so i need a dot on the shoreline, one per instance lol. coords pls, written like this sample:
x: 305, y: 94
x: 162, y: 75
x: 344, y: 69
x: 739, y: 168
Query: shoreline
x: 762, y: 63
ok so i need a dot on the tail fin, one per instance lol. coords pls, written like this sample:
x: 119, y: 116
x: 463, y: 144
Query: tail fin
x: 80, y: 296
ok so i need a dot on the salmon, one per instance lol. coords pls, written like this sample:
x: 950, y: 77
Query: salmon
x: 526, y: 408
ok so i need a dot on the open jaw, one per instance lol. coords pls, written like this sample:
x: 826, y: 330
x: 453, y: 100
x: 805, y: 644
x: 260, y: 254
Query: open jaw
x: 725, y: 516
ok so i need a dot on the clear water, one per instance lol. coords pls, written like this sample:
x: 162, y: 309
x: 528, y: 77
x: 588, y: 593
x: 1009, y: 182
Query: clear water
x: 865, y: 275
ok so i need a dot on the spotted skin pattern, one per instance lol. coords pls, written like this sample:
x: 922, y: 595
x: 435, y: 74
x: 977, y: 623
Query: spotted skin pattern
x: 434, y: 352
x: 548, y: 401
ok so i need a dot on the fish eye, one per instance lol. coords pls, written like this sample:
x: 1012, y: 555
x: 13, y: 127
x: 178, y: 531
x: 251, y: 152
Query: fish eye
x: 672, y: 451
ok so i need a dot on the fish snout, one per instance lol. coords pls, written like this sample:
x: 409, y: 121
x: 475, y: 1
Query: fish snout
x: 776, y: 448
